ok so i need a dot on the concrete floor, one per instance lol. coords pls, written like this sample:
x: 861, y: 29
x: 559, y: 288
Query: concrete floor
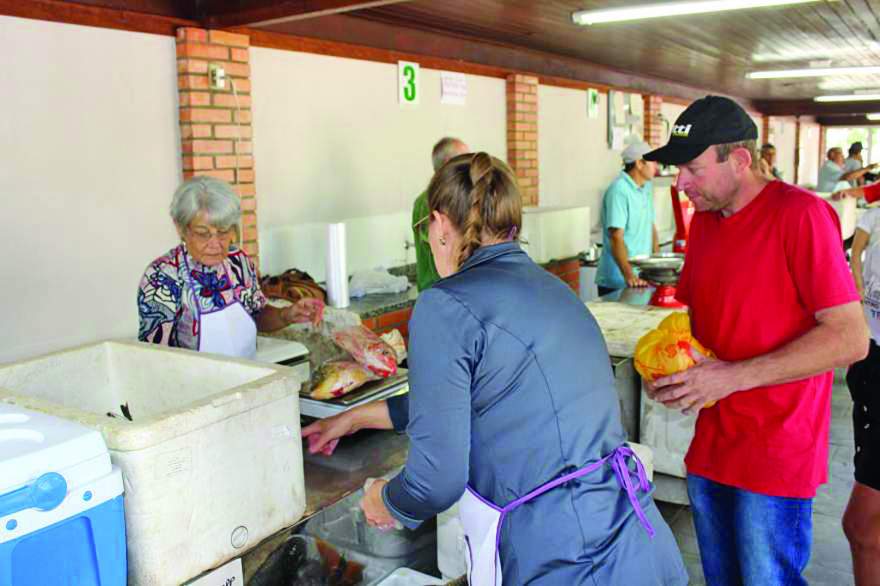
x: 830, y: 563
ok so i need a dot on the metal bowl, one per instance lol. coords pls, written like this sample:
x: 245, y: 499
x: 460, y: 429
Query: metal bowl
x: 661, y: 261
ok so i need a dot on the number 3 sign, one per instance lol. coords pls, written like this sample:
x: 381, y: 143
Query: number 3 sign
x: 408, y: 82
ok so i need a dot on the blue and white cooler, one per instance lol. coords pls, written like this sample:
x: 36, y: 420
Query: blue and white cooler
x: 61, y: 515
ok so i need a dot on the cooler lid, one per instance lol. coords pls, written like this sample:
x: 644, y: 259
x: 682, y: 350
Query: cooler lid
x: 276, y: 350
x: 32, y: 444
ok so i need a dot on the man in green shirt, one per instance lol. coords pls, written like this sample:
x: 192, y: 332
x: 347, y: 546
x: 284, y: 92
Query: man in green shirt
x: 426, y: 273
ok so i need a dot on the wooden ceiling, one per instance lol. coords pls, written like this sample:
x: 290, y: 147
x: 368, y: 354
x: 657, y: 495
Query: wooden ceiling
x: 680, y: 56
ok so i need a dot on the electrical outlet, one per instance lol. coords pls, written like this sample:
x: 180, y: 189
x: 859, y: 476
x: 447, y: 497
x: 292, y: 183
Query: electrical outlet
x: 216, y: 77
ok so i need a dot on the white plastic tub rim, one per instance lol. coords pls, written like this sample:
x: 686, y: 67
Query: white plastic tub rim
x: 261, y: 384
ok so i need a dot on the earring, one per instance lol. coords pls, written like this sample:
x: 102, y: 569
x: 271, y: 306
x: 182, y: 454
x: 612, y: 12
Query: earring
x: 442, y: 241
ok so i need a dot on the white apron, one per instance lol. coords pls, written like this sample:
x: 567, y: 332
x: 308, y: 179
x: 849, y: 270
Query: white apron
x: 871, y: 280
x: 482, y: 519
x: 228, y: 330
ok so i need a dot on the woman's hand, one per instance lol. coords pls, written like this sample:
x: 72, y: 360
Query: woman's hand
x: 374, y: 507
x: 323, y: 435
x: 309, y: 310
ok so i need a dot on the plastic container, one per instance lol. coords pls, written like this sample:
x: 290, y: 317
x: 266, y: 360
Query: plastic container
x: 407, y: 577
x: 344, y: 525
x: 61, y: 513
x: 299, y: 561
x: 211, y: 457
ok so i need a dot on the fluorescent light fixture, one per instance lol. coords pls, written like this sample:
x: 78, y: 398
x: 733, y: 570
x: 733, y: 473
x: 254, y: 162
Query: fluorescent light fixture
x: 813, y: 72
x: 842, y: 85
x: 777, y: 54
x: 643, y: 11
x: 873, y: 117
x: 848, y: 98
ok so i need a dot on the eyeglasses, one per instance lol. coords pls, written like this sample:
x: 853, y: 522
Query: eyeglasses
x: 422, y: 225
x: 204, y: 235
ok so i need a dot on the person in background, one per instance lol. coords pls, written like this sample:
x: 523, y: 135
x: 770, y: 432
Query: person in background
x: 871, y: 193
x: 832, y: 171
x: 861, y: 521
x: 627, y: 218
x: 426, y: 273
x: 511, y: 404
x: 854, y: 162
x: 760, y: 449
x: 768, y: 163
x: 204, y: 294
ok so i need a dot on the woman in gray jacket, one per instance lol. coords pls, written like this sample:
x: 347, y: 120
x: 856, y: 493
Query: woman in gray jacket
x: 512, y: 410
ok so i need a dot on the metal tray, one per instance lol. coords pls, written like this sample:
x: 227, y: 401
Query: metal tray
x: 371, y: 391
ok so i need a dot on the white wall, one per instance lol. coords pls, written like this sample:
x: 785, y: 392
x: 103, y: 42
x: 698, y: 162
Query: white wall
x: 808, y: 174
x: 90, y: 155
x: 575, y: 162
x: 319, y: 159
x: 670, y: 113
x: 783, y: 135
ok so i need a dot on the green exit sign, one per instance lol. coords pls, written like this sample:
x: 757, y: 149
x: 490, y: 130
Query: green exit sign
x: 408, y: 82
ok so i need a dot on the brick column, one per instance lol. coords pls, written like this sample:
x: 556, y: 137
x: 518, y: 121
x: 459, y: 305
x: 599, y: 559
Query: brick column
x: 522, y: 134
x: 655, y: 130
x: 765, y: 130
x: 215, y: 128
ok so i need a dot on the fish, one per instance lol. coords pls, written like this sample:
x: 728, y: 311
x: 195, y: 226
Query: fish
x: 335, y: 379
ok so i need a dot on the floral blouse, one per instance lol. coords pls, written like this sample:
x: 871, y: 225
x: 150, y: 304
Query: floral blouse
x: 168, y: 298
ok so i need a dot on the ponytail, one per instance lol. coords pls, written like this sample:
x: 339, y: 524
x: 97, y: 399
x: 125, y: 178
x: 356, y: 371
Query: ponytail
x: 480, y: 196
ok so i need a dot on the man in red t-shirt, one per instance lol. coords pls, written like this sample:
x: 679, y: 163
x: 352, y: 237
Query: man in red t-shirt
x: 769, y: 291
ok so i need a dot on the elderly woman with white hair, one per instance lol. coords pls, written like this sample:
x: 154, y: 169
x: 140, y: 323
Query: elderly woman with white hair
x: 204, y: 293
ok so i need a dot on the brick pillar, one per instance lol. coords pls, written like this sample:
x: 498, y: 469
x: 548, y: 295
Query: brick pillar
x: 522, y: 134
x: 655, y: 130
x: 765, y: 129
x: 215, y: 128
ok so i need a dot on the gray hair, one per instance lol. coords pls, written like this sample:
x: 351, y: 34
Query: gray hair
x: 445, y: 149
x: 722, y: 151
x: 206, y: 194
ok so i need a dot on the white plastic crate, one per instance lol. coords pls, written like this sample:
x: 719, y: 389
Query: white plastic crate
x: 212, y: 461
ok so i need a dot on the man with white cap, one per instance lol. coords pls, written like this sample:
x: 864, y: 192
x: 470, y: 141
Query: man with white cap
x: 627, y: 221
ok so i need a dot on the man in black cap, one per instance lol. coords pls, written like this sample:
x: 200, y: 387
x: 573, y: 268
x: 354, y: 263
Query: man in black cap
x: 768, y: 290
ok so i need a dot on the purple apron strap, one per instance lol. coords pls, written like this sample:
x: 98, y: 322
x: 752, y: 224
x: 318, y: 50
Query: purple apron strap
x: 619, y: 464
x: 618, y: 460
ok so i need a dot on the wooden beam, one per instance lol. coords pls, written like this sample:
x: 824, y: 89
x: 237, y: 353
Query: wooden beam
x: 360, y: 38
x: 811, y: 108
x: 99, y: 16
x: 229, y: 13
x: 859, y: 120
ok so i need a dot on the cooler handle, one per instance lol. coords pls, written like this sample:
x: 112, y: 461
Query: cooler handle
x: 47, y: 492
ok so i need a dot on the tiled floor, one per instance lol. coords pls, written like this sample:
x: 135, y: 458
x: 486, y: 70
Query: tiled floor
x: 830, y: 563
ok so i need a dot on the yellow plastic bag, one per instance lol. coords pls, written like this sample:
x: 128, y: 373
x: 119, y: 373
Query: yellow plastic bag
x: 668, y: 349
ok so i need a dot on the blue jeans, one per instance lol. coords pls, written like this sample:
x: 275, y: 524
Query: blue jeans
x: 750, y: 539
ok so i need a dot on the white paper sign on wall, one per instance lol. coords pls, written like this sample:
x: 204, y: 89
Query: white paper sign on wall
x: 453, y: 88
x: 408, y: 82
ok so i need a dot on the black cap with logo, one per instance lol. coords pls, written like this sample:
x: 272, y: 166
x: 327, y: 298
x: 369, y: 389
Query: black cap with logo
x: 710, y: 120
